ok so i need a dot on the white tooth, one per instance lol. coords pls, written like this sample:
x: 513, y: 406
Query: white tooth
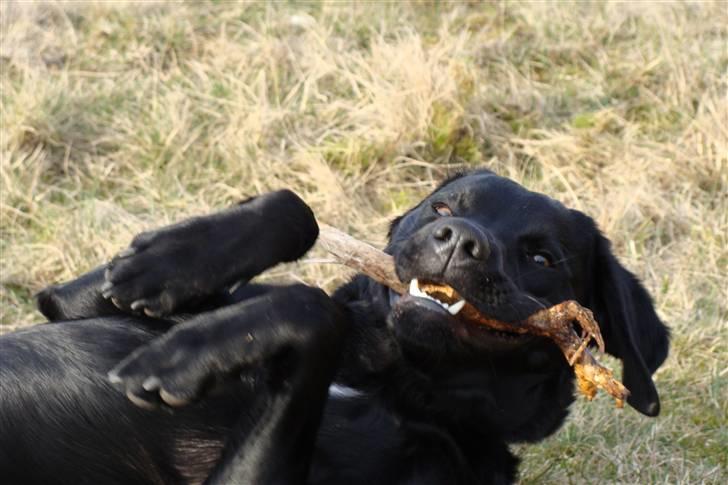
x: 456, y: 307
x: 414, y: 288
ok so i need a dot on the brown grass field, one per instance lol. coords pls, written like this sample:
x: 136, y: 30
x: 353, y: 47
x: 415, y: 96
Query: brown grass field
x: 122, y: 116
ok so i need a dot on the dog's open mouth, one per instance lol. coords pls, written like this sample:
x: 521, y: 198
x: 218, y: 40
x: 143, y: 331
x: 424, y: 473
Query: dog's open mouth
x: 444, y: 298
x: 443, y: 295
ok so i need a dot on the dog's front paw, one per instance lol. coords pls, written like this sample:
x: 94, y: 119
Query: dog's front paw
x: 162, y: 270
x: 172, y: 369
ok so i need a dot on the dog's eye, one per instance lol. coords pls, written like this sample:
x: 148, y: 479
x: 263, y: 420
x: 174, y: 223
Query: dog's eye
x: 541, y: 259
x: 441, y: 209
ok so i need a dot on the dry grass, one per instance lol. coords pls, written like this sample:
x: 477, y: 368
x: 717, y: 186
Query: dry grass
x: 117, y: 117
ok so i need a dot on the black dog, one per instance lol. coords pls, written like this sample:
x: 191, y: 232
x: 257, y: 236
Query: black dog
x: 241, y: 391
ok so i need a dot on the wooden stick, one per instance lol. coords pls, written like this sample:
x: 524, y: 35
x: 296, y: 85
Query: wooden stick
x: 360, y: 256
x: 555, y: 323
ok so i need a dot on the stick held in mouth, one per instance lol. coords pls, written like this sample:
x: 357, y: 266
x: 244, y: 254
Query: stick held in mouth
x: 555, y: 322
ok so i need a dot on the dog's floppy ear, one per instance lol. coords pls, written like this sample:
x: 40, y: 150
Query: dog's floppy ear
x: 632, y: 330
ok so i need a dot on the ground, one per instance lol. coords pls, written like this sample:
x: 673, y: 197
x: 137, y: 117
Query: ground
x: 122, y: 116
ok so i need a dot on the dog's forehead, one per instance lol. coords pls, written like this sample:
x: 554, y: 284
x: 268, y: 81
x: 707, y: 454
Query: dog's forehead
x: 487, y: 192
x: 494, y: 201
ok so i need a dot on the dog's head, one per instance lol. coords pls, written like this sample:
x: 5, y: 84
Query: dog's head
x: 510, y: 252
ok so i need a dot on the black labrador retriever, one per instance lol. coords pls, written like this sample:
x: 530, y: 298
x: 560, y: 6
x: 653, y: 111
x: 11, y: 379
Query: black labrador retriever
x: 233, y: 383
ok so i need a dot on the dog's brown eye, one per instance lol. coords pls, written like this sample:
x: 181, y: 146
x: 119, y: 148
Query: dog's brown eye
x: 441, y: 209
x: 541, y: 259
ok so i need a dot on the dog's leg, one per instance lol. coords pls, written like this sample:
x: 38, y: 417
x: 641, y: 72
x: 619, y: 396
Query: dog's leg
x: 288, y: 340
x: 79, y: 298
x: 170, y: 269
x: 189, y: 266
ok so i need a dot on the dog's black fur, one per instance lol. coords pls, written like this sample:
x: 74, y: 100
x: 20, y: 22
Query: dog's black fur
x: 230, y: 386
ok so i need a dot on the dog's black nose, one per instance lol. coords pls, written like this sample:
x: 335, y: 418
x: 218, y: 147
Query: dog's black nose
x: 460, y: 240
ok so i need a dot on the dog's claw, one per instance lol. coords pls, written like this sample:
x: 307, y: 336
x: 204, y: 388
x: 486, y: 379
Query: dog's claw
x: 114, y: 378
x: 130, y: 251
x: 151, y: 313
x: 152, y: 383
x: 171, y: 399
x: 138, y: 305
x: 140, y: 402
x: 106, y: 289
